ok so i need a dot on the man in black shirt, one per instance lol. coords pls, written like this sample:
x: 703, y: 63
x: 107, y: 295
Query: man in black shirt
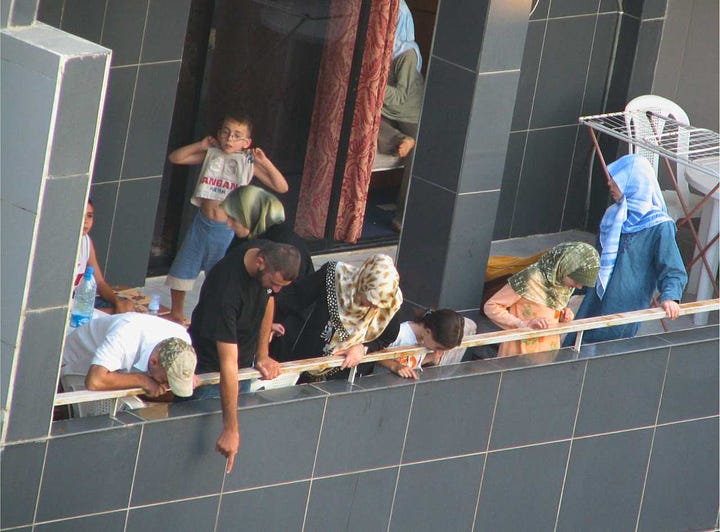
x: 232, y: 321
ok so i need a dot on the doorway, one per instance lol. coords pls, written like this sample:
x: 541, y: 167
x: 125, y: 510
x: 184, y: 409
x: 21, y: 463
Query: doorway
x: 266, y: 58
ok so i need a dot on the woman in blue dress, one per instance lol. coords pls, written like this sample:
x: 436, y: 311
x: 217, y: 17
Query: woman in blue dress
x: 638, y: 252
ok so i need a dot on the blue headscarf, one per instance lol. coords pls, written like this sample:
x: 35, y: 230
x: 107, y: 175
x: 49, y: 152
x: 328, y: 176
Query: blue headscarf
x: 405, y: 34
x: 641, y: 206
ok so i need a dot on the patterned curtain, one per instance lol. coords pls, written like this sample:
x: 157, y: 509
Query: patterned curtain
x: 332, y: 87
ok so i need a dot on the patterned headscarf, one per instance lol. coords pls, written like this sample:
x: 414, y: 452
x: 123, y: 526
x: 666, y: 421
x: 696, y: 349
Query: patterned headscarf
x: 377, y: 280
x: 542, y: 282
x: 641, y: 206
x: 255, y: 208
x: 405, y: 35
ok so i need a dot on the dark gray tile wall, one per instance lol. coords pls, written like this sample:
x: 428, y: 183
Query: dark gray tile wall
x: 612, y: 383
x: 437, y: 425
x: 533, y: 501
x: 88, y: 473
x: 525, y: 444
x: 273, y: 508
x: 439, y: 495
x: 569, y: 69
x: 604, y: 481
x: 691, y: 383
x: 363, y: 431
x: 196, y: 515
x: 93, y: 523
x: 525, y: 397
x: 328, y: 508
x: 19, y: 482
x: 470, y: 89
x: 684, y: 460
x: 52, y: 89
x: 190, y: 442
x: 18, y: 13
x: 146, y: 37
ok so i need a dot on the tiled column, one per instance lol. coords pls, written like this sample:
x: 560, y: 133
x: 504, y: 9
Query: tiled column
x: 460, y: 155
x: 53, y: 87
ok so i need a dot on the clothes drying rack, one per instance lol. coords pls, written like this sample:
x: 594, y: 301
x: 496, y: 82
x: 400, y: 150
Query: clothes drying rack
x: 671, y: 141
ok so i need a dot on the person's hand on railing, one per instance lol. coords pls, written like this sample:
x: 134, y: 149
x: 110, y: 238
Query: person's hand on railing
x: 566, y: 315
x: 268, y: 367
x: 406, y: 372
x: 353, y: 355
x: 537, y: 323
x: 671, y: 308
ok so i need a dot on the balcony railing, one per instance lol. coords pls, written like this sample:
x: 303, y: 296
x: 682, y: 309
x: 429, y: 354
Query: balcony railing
x: 83, y: 396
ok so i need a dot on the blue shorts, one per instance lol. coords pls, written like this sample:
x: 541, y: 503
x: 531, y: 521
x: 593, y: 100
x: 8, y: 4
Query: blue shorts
x: 205, y: 244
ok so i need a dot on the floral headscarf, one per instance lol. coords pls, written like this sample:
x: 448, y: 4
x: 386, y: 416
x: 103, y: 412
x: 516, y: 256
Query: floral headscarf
x: 542, y: 282
x: 354, y: 323
x: 255, y: 208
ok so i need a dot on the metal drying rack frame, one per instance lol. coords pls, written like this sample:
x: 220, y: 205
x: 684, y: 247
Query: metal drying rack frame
x: 672, y: 141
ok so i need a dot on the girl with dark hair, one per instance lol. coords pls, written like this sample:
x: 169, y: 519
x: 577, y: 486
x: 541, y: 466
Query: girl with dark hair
x: 436, y: 330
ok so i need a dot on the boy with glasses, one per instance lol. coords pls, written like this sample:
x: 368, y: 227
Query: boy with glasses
x: 228, y: 162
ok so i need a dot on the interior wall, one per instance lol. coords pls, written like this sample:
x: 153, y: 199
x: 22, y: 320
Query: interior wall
x: 146, y: 37
x: 687, y: 67
x: 581, y: 58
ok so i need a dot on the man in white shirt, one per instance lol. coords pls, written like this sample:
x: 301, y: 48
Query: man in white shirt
x: 132, y: 350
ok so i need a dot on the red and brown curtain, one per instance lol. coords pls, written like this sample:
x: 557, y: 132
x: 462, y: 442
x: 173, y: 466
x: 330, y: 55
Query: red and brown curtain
x: 326, y: 123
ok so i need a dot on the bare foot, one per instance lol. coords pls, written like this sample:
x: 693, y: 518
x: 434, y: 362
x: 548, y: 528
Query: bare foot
x: 405, y: 146
x: 177, y: 318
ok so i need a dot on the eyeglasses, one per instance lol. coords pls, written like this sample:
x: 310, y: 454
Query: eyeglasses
x: 225, y: 132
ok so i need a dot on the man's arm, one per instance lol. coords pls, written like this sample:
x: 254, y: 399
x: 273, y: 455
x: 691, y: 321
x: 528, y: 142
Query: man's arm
x: 268, y: 173
x: 229, y: 441
x: 192, y: 153
x: 100, y: 378
x: 268, y: 367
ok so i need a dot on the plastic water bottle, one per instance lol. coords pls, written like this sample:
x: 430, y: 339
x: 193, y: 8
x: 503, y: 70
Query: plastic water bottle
x: 154, y: 305
x: 84, y: 299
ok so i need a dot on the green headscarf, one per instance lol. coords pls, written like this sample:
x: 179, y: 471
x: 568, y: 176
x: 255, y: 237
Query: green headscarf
x: 255, y: 208
x: 542, y: 282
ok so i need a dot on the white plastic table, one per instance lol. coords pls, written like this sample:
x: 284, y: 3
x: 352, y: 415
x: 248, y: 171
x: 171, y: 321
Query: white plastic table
x: 704, y: 182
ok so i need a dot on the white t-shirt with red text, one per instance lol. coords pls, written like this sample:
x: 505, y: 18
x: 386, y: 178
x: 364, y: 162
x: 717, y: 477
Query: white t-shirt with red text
x: 221, y: 173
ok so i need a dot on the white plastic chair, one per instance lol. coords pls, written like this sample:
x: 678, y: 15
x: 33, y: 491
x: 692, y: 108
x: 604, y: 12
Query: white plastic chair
x: 281, y: 381
x: 73, y: 382
x: 640, y: 126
